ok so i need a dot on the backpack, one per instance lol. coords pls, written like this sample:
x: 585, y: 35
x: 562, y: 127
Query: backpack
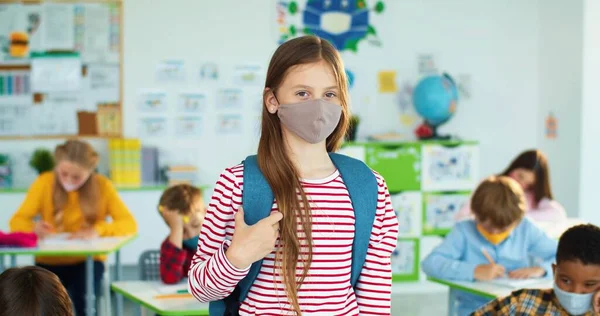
x: 257, y: 201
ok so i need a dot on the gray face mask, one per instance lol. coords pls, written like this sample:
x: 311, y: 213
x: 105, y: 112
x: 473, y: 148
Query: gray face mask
x: 312, y: 120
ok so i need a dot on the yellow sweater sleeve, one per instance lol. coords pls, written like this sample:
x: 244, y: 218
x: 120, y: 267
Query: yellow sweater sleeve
x: 22, y: 220
x: 123, y: 222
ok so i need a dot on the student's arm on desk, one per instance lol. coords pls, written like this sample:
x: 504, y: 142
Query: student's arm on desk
x: 541, y: 247
x: 22, y: 220
x: 123, y: 222
x: 444, y: 262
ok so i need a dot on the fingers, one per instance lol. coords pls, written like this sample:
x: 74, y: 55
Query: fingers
x: 239, y: 217
x: 274, y: 218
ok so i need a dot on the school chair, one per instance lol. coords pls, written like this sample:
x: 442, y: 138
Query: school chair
x: 149, y: 265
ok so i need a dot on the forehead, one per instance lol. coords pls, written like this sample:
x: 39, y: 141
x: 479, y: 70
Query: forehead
x: 317, y: 74
x: 579, y: 271
x: 70, y: 167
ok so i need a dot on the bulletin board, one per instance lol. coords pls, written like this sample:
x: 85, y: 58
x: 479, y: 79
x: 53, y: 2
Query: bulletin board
x: 60, y: 69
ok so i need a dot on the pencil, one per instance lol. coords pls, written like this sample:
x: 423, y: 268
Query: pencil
x: 487, y: 256
x: 165, y: 296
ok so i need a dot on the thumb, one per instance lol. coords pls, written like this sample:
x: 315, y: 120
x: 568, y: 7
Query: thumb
x: 274, y: 218
x: 239, y: 218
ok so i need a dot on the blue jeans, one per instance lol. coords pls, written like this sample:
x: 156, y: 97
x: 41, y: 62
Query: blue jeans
x: 73, y: 277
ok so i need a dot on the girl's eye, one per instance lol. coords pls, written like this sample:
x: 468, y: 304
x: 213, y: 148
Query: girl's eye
x: 565, y: 281
x: 330, y: 95
x: 302, y: 94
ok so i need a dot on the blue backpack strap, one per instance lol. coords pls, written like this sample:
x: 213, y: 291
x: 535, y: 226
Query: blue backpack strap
x: 363, y: 189
x: 257, y: 201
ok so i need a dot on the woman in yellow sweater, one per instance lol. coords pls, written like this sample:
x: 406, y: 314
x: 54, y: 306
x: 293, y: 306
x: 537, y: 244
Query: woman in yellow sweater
x: 73, y: 199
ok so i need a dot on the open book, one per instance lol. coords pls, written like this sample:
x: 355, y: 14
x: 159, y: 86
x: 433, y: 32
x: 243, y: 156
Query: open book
x: 517, y: 283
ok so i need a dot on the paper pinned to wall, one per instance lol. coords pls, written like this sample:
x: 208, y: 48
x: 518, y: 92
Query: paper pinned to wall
x: 56, y: 115
x: 387, y: 81
x: 229, y: 124
x: 192, y: 102
x: 188, y: 126
x: 58, y: 26
x: 55, y: 73
x: 104, y: 83
x: 248, y: 75
x: 426, y: 64
x: 229, y: 98
x: 14, y: 120
x: 209, y: 71
x: 153, y: 127
x: 96, y: 29
x: 170, y: 70
x: 152, y: 101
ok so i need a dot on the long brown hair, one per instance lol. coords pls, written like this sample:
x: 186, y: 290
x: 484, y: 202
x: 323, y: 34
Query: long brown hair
x: 82, y: 154
x: 276, y: 165
x: 534, y: 160
x: 33, y: 291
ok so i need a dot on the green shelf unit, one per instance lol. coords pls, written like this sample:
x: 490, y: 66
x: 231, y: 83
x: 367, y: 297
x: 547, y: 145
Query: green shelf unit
x: 439, y: 210
x: 405, y: 260
x: 399, y: 164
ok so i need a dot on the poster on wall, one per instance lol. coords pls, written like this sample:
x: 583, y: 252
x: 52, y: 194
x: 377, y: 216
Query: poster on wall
x: 153, y: 127
x: 229, y: 98
x: 343, y: 23
x: 152, y: 101
x: 408, y: 207
x: 209, y: 71
x: 248, y: 75
x: 192, y: 102
x: 441, y: 210
x: 188, y: 126
x: 170, y: 70
x: 229, y: 124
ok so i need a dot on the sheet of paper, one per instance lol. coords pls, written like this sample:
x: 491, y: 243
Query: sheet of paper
x: 150, y: 100
x: 15, y: 119
x: 188, y: 126
x: 96, y: 38
x: 251, y: 75
x: 516, y: 284
x: 56, y: 74
x: 58, y: 26
x: 192, y: 102
x: 229, y: 124
x: 31, y: 18
x: 229, y: 98
x: 57, y: 115
x: 170, y: 70
x: 387, y: 82
x: 172, y: 289
x: 153, y: 127
x: 102, y: 85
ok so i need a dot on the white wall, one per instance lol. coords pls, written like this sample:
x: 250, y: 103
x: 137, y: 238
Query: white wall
x: 590, y: 112
x: 560, y: 78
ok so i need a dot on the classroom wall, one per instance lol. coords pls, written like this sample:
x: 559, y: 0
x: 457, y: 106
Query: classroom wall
x: 590, y: 112
x: 560, y: 78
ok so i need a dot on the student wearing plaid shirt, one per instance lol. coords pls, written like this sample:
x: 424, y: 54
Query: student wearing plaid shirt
x: 576, y: 281
x: 182, y: 208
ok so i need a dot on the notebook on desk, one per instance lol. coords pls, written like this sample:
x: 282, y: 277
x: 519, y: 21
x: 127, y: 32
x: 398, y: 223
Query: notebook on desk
x: 517, y: 283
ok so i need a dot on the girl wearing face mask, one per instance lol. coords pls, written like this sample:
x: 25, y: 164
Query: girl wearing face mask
x: 73, y: 199
x: 182, y: 208
x: 306, y: 252
x: 530, y: 169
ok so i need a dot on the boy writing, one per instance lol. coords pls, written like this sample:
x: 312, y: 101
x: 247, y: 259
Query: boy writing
x: 183, y: 210
x: 576, y: 281
x: 499, y: 241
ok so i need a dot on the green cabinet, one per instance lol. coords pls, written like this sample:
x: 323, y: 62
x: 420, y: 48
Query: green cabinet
x: 398, y: 164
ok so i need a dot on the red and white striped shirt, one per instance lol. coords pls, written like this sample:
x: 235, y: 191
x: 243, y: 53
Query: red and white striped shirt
x: 326, y: 290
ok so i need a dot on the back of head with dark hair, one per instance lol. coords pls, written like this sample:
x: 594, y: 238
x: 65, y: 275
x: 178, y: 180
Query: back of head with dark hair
x: 33, y: 291
x: 580, y: 243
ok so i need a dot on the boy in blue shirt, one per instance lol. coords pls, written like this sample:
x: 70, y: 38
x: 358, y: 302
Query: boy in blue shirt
x: 498, y: 242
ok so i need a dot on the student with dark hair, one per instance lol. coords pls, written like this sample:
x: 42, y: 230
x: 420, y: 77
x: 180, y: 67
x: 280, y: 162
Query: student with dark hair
x: 576, y: 280
x: 33, y: 291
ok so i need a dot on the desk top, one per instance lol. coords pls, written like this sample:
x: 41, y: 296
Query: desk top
x: 60, y: 246
x: 489, y: 290
x: 144, y: 292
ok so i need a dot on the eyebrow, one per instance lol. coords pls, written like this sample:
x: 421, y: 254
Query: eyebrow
x: 309, y: 87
